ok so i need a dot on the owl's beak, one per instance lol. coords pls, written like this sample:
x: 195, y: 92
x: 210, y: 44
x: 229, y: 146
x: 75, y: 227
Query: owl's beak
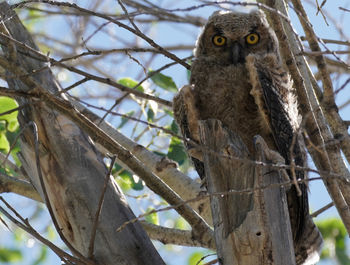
x: 237, y: 53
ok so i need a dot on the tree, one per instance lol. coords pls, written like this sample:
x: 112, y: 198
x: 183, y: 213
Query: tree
x: 68, y: 151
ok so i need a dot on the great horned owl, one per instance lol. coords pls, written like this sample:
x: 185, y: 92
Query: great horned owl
x: 237, y: 77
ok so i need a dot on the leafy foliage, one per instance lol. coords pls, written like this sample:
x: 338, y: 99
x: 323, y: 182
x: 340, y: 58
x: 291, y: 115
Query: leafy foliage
x: 130, y: 83
x: 42, y: 256
x: 163, y: 81
x: 8, y: 122
x: 195, y: 258
x: 10, y: 255
x: 152, y: 217
x: 125, y: 119
x: 126, y: 180
x: 177, y: 151
x: 335, y: 244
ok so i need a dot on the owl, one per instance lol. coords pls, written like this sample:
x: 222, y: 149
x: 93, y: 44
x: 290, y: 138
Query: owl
x: 237, y: 77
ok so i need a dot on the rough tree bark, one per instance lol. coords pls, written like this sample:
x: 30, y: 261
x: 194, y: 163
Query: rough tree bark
x: 250, y: 213
x: 73, y: 172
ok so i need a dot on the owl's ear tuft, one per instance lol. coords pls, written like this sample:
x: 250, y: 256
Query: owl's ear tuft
x: 257, y: 12
x: 200, y: 47
x: 218, y: 12
x: 258, y: 15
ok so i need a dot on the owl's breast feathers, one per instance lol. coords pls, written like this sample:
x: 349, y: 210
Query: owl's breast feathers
x: 254, y: 98
x: 223, y: 93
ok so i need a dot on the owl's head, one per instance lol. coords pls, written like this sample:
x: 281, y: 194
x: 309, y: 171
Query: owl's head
x: 231, y: 36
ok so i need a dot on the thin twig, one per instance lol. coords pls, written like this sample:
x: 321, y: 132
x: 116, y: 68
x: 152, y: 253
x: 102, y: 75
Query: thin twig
x: 203, y: 196
x: 128, y: 16
x: 324, y: 208
x: 208, y: 263
x: 114, y: 21
x: 26, y: 227
x: 99, y: 208
x: 39, y: 56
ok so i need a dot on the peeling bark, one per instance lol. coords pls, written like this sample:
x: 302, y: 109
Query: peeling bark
x: 73, y: 170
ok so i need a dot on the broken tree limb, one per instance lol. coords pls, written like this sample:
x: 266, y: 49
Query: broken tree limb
x: 251, y: 220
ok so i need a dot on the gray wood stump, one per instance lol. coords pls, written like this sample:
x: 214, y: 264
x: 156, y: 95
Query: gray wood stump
x: 251, y: 220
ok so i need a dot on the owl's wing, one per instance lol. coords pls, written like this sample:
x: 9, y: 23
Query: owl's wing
x: 280, y: 110
x: 186, y: 116
x: 283, y: 134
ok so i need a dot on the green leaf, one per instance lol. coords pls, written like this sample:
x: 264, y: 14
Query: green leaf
x: 152, y: 217
x: 163, y: 81
x: 127, y: 181
x: 195, y: 258
x: 10, y: 255
x: 7, y: 104
x: 34, y: 14
x: 12, y: 138
x: 130, y: 83
x: 334, y: 235
x: 116, y: 167
x: 174, y: 127
x: 2, y: 126
x: 42, y: 257
x: 124, y: 120
x: 188, y: 75
x: 19, y: 235
x: 169, y: 112
x: 137, y: 185
x: 181, y: 223
x: 150, y: 115
x: 51, y: 234
x: 188, y: 72
x: 4, y: 144
x: 177, y: 151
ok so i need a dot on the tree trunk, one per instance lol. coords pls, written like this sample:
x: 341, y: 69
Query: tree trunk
x: 250, y: 213
x: 73, y: 171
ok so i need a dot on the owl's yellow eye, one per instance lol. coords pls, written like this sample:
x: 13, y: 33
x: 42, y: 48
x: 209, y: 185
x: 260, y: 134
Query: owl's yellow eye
x: 219, y: 40
x: 252, y: 38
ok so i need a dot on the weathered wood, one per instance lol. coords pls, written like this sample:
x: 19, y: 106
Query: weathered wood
x: 251, y: 224
x: 73, y: 170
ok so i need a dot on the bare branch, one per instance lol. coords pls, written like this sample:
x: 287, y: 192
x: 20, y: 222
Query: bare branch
x: 137, y: 33
x: 26, y: 227
x: 324, y: 208
x: 99, y: 208
x: 174, y: 236
x: 18, y: 186
x: 43, y: 58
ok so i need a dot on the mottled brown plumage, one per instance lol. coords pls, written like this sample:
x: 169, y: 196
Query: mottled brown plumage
x: 237, y: 77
